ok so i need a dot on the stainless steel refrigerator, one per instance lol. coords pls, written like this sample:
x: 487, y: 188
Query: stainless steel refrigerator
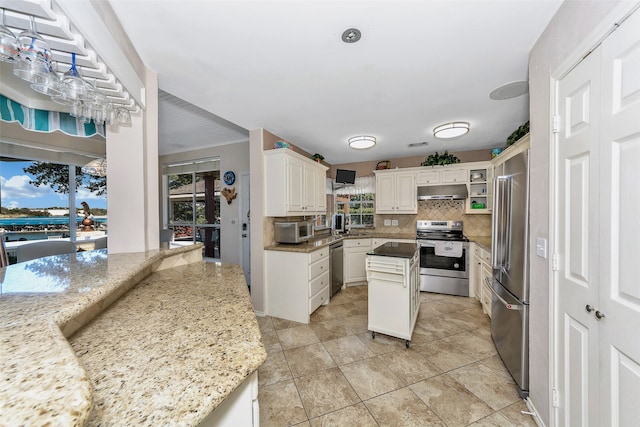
x: 510, y: 261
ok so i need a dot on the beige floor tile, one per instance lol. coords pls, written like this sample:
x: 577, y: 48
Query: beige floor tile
x: 347, y: 349
x: 325, y: 392
x: 284, y: 324
x: 342, y: 311
x: 433, y: 309
x: 265, y: 323
x: 296, y: 337
x: 323, y: 313
x: 495, y: 363
x: 460, y: 303
x: 494, y: 389
x: 341, y: 298
x: 445, y: 355
x: 467, y: 321
x: 409, y: 365
x: 428, y: 296
x: 401, y: 408
x: 515, y: 415
x: 329, y: 329
x: 303, y: 424
x: 274, y: 370
x: 370, y: 377
x: 356, y: 324
x: 493, y: 420
x: 451, y: 401
x: 382, y: 343
x: 352, y: 416
x: 433, y: 328
x: 308, y: 359
x: 280, y: 405
x: 271, y: 342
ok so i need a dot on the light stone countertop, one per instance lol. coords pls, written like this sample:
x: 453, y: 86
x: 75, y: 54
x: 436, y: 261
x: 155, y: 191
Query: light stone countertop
x: 326, y: 240
x: 43, y: 302
x: 484, y: 241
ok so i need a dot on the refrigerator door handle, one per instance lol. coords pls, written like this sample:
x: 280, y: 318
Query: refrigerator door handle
x: 507, y: 305
x: 501, y: 223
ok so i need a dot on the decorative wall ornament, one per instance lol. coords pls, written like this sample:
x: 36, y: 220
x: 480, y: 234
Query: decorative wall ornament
x: 229, y: 194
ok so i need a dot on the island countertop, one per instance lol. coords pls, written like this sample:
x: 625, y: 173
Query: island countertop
x: 197, y: 318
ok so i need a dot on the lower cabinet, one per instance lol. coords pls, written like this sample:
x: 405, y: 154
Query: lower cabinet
x: 297, y: 283
x: 481, y: 277
x: 354, y: 260
x: 239, y: 409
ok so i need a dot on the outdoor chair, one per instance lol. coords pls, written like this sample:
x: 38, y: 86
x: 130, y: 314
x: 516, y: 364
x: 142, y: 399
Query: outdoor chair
x: 45, y: 248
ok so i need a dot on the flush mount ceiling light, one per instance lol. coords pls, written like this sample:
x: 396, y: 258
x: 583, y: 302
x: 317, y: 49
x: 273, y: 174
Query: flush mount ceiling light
x: 362, y: 142
x: 451, y: 130
x: 351, y: 35
x: 510, y: 90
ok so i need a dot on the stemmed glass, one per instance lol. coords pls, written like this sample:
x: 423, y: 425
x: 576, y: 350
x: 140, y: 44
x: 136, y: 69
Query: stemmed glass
x: 8, y: 43
x: 73, y: 88
x: 34, y: 56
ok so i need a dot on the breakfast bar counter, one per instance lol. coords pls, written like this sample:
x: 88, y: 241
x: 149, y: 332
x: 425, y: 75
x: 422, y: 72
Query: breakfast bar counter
x: 153, y: 338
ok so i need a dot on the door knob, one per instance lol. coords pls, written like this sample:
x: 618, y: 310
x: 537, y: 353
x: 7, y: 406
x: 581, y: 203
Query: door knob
x: 244, y: 234
x: 599, y: 315
x: 589, y: 308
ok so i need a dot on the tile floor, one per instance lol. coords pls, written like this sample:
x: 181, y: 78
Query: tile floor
x: 332, y: 373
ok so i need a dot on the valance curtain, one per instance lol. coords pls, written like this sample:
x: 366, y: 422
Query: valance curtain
x: 46, y: 121
x: 363, y: 185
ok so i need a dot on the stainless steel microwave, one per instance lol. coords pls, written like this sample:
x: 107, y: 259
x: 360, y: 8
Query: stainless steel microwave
x: 293, y: 231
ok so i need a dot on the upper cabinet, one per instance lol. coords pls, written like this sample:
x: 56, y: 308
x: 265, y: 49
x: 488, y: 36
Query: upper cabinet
x: 442, y: 175
x: 480, y: 180
x: 294, y: 185
x: 396, y: 192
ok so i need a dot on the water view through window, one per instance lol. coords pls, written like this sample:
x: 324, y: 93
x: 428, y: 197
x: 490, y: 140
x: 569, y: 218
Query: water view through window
x: 35, y: 203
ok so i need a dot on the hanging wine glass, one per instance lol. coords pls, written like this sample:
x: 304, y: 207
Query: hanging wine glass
x: 51, y: 85
x: 34, y: 56
x: 73, y: 87
x: 8, y: 43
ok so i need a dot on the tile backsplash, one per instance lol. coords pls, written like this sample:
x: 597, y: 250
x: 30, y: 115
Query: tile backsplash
x: 449, y: 210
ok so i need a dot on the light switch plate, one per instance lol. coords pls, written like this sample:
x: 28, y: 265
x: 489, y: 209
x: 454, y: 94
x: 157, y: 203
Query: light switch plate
x: 394, y: 222
x: 387, y: 222
x: 541, y: 247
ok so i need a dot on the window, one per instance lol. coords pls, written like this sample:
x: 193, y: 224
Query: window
x: 357, y: 202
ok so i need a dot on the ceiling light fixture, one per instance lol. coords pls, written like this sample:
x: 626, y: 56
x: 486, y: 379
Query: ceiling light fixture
x: 451, y: 130
x: 351, y: 35
x: 362, y: 142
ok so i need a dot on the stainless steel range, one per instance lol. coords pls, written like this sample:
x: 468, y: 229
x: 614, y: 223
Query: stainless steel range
x: 444, y: 257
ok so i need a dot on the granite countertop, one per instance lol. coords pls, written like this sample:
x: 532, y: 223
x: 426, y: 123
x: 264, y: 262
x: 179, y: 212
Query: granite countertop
x: 325, y: 240
x: 396, y: 250
x: 484, y: 241
x: 49, y: 381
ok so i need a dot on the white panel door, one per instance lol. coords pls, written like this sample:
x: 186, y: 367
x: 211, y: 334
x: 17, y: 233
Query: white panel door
x: 620, y: 228
x: 406, y: 193
x: 577, y: 243
x: 385, y: 193
x: 295, y: 185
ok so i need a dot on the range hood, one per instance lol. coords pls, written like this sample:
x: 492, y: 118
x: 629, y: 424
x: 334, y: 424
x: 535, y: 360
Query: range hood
x: 443, y: 192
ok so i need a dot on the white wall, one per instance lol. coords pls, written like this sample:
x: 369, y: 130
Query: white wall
x: 565, y: 39
x: 233, y: 157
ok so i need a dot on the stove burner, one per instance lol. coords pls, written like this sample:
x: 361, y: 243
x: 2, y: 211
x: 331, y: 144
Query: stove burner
x: 440, y: 230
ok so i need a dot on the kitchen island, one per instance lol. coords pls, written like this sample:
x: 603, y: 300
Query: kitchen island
x: 78, y: 349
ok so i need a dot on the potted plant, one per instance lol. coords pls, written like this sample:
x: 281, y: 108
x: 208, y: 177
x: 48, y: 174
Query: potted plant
x: 318, y: 157
x: 440, y: 159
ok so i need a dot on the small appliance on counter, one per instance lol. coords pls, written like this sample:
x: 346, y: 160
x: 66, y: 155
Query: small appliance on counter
x: 293, y: 231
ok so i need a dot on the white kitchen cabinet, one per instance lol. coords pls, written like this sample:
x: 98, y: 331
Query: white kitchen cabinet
x: 394, y: 294
x: 295, y: 185
x: 297, y: 283
x: 354, y: 260
x: 396, y: 192
x: 239, y: 409
x: 487, y: 297
x: 480, y: 187
x: 442, y: 175
x: 480, y: 273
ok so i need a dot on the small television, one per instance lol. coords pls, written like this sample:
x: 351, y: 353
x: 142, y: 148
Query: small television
x: 344, y: 176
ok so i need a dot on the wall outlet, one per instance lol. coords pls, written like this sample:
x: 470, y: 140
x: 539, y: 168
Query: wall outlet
x: 394, y: 222
x: 387, y: 222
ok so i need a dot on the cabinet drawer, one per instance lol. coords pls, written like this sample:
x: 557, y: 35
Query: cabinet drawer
x: 456, y: 175
x: 319, y: 267
x: 318, y: 255
x: 318, y: 299
x: 431, y: 177
x: 318, y: 283
x: 357, y: 243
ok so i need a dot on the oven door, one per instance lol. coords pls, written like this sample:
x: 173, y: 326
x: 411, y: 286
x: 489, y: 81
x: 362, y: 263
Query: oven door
x: 435, y: 265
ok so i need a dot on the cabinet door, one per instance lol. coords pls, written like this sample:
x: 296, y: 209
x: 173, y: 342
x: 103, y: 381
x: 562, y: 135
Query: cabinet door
x: 385, y: 193
x: 309, y: 186
x: 321, y: 192
x: 406, y: 193
x: 295, y: 186
x: 454, y: 176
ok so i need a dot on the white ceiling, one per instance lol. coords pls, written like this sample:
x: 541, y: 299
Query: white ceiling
x: 225, y: 67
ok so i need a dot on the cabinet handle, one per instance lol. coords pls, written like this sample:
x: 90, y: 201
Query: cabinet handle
x: 589, y: 308
x: 599, y: 315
